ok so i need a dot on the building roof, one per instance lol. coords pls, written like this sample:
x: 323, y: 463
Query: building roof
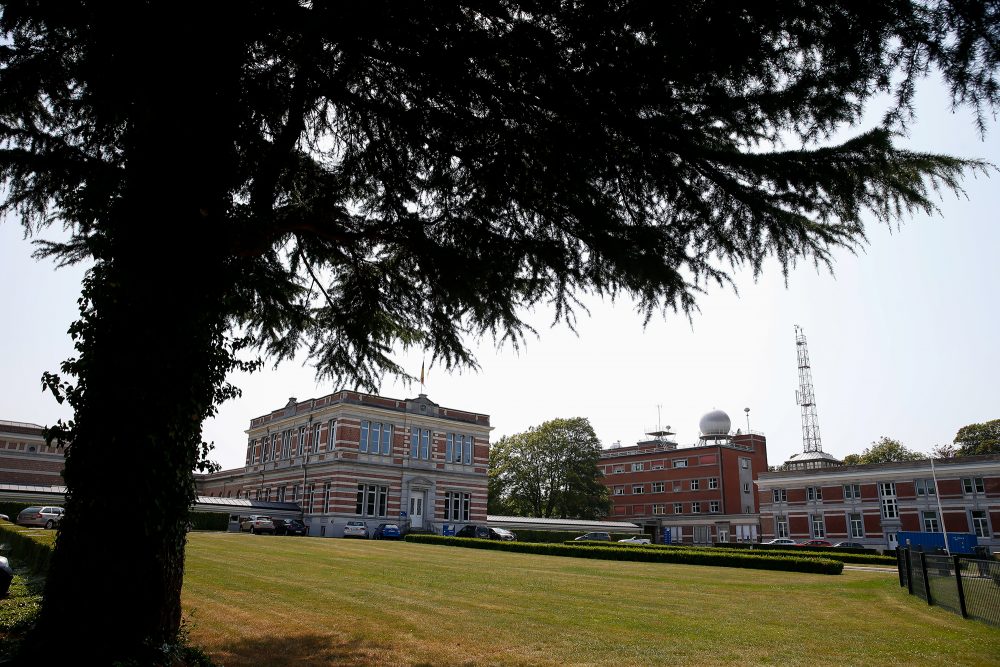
x: 952, y: 466
x: 530, y: 522
x: 5, y: 422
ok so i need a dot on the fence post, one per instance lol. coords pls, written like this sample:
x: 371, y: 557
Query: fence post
x: 927, y: 582
x: 909, y: 571
x: 958, y: 582
x: 900, y: 568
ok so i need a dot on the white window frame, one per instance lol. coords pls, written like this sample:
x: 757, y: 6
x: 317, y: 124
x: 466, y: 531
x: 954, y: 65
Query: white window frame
x: 781, y: 526
x: 637, y: 467
x: 929, y: 521
x: 679, y: 463
x: 779, y: 496
x: 678, y: 508
x: 696, y: 507
x: 638, y: 489
x: 659, y: 509
x: 657, y: 487
x: 713, y: 482
x: 817, y: 525
x: 713, y: 506
x: 695, y: 485
x: 619, y: 490
x: 856, y: 525
x: 887, y: 494
x: 980, y: 524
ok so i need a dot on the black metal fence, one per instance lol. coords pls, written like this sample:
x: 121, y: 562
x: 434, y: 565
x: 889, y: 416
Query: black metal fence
x: 964, y: 585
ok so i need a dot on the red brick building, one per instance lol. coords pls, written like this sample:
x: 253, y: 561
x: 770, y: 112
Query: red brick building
x: 702, y: 494
x: 870, y: 503
x: 353, y: 456
x: 26, y: 459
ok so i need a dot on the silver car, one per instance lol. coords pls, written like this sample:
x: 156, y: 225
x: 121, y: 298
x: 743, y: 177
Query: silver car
x: 46, y: 517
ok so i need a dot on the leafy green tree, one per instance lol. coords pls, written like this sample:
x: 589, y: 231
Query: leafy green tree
x: 944, y: 451
x: 979, y: 439
x: 884, y: 450
x: 350, y: 179
x: 550, y: 471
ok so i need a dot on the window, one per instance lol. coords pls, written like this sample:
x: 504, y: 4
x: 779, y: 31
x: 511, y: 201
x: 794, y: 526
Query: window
x: 744, y: 463
x: 779, y: 495
x: 746, y: 487
x: 420, y: 443
x: 374, y: 436
x: 456, y: 506
x: 312, y: 497
x: 386, y: 439
x: 637, y: 488
x: 814, y: 493
x: 458, y: 448
x: 678, y: 508
x: 931, y: 522
x: 326, y: 497
x: 852, y: 491
x: 363, y: 441
x: 331, y: 435
x: 677, y: 487
x: 657, y: 487
x: 286, y: 444
x: 659, y: 509
x: 713, y: 482
x: 302, y: 441
x: 680, y: 463
x: 924, y: 487
x: 695, y: 484
x: 619, y: 490
x: 780, y: 526
x: 295, y: 494
x: 980, y: 524
x: 657, y: 465
x: 315, y: 441
x: 887, y: 491
x: 818, y: 527
x: 281, y: 494
x: 371, y: 500
x: 637, y: 467
x: 968, y: 484
x: 713, y: 506
x: 695, y: 508
x: 857, y: 526
x: 619, y: 469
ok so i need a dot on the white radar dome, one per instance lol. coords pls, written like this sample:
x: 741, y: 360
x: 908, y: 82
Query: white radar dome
x: 715, y: 422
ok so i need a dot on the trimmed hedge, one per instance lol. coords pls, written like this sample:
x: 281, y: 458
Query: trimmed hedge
x: 556, y: 536
x: 209, y: 521
x: 630, y: 553
x: 780, y: 547
x: 32, y: 548
x: 854, y: 559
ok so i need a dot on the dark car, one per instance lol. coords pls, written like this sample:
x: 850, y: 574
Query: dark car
x: 595, y: 537
x: 487, y: 533
x: 849, y: 545
x: 289, y: 527
x: 387, y: 531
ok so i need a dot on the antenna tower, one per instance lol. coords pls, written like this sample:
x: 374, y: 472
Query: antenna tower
x: 805, y: 396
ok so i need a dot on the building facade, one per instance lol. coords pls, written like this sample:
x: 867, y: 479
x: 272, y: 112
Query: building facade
x: 350, y: 456
x: 702, y: 494
x: 26, y: 459
x: 869, y: 504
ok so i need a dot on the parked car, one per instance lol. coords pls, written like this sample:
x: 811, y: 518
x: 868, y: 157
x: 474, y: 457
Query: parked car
x: 634, y: 540
x: 289, y: 527
x: 356, y: 529
x: 486, y: 533
x: 46, y: 517
x: 598, y: 536
x: 816, y: 543
x: 257, y: 524
x: 782, y: 541
x: 4, y: 517
x: 850, y: 545
x: 387, y: 531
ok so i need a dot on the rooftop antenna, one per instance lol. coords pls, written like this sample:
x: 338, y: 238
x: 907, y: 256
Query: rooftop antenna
x: 658, y: 406
x: 805, y: 396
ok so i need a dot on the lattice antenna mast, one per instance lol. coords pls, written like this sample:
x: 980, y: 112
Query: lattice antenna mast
x: 805, y: 396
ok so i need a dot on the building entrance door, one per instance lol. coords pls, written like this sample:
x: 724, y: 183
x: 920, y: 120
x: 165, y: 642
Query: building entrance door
x: 416, y: 509
x: 893, y: 543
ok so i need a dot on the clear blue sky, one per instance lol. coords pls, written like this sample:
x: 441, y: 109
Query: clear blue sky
x: 904, y: 340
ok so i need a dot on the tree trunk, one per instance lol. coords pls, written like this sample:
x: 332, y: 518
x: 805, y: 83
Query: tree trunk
x: 151, y: 349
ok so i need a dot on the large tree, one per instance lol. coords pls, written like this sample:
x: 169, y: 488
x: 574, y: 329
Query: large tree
x: 976, y: 439
x: 352, y: 179
x: 549, y: 471
x: 884, y: 450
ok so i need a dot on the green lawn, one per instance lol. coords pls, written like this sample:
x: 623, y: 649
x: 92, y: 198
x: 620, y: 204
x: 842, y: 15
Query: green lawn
x: 259, y: 600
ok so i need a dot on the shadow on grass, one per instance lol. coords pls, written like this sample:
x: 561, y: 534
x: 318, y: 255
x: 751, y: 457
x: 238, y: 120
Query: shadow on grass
x: 309, y: 649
